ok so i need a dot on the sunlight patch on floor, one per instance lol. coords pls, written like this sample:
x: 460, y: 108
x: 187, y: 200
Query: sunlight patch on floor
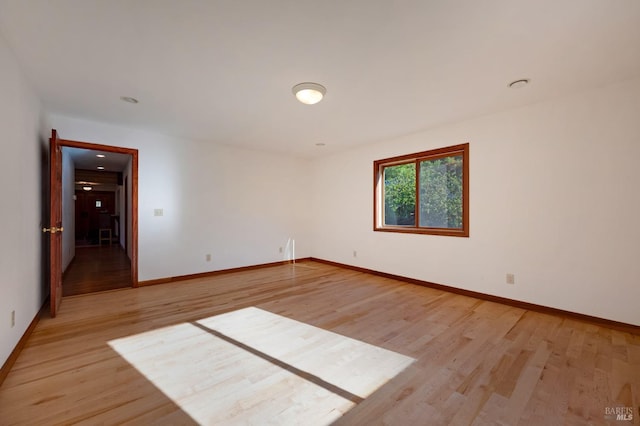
x: 253, y: 366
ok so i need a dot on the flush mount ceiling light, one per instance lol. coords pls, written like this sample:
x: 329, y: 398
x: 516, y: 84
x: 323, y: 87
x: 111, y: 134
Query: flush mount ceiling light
x: 100, y: 155
x: 519, y: 83
x: 87, y: 188
x: 100, y: 167
x: 309, y: 93
x: 129, y: 99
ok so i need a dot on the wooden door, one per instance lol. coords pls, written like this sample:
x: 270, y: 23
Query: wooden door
x: 55, y: 230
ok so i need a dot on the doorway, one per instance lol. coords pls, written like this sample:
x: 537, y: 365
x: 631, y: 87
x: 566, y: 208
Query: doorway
x: 99, y: 203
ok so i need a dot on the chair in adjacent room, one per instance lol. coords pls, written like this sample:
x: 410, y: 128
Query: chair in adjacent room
x: 104, y: 228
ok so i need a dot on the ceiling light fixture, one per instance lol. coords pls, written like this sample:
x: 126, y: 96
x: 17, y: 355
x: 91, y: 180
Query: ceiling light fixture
x: 129, y: 99
x: 519, y: 83
x: 309, y: 93
x: 100, y: 155
x: 87, y: 188
x: 100, y: 167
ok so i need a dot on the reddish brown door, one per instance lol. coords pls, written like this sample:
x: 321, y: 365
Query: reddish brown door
x: 55, y: 230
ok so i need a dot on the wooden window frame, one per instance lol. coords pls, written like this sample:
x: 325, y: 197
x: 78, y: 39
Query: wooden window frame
x: 378, y: 184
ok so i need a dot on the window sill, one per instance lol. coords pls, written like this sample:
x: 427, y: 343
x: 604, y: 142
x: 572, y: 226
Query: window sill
x: 427, y: 231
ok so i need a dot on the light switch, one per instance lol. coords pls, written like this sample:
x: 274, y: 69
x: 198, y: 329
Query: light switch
x: 158, y: 212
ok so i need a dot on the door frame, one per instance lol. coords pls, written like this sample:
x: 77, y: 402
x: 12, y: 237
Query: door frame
x: 55, y: 223
x: 134, y: 194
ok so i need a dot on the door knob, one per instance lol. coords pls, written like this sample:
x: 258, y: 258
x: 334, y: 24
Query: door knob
x: 53, y: 229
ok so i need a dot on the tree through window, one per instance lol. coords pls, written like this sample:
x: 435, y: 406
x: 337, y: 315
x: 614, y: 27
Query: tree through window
x: 425, y: 192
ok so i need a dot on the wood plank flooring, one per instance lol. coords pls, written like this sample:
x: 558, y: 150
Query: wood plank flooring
x: 474, y: 362
x: 97, y: 268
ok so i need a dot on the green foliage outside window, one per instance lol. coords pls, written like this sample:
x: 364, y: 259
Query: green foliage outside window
x: 441, y: 187
x: 400, y: 194
x: 441, y: 192
x: 423, y: 193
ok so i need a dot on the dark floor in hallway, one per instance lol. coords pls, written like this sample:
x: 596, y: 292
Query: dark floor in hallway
x: 97, y: 268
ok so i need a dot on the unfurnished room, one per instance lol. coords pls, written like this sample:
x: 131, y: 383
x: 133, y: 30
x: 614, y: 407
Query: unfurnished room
x: 297, y: 212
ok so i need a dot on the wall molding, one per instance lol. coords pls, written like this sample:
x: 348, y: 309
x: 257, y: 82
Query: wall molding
x: 616, y: 325
x: 218, y: 272
x: 13, y: 356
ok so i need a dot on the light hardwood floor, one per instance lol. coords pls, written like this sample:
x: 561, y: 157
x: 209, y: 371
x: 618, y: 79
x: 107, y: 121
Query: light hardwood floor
x: 145, y: 355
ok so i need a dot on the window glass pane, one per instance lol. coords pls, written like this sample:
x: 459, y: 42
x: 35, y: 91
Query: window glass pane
x: 441, y: 192
x: 400, y: 195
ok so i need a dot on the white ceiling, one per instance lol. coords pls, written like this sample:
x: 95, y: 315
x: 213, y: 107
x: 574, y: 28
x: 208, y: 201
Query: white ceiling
x: 88, y: 159
x: 222, y: 71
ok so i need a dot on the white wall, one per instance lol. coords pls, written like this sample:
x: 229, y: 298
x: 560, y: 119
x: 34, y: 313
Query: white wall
x: 21, y: 284
x: 68, y: 209
x: 238, y: 205
x: 555, y: 199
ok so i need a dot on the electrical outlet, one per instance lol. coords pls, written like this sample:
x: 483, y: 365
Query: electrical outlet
x: 208, y: 257
x: 511, y: 279
x: 13, y: 319
x: 355, y: 253
x: 280, y: 249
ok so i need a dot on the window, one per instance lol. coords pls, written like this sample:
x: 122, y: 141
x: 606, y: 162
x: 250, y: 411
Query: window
x: 423, y: 193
